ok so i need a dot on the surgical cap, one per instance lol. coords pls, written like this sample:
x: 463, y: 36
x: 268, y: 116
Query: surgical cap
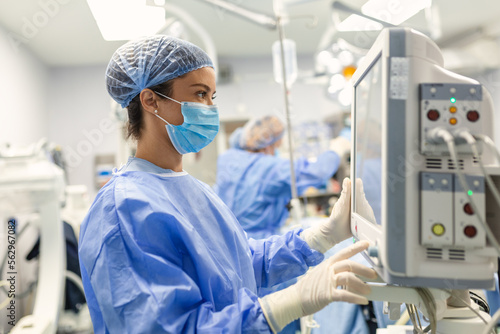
x: 150, y: 61
x: 260, y: 133
x: 234, y: 138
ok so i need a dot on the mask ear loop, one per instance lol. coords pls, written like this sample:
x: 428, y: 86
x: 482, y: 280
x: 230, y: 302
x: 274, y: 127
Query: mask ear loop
x: 165, y: 96
x: 156, y: 114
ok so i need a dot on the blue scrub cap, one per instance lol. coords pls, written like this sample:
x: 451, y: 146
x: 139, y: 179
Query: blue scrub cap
x: 234, y: 138
x: 261, y: 132
x: 150, y: 61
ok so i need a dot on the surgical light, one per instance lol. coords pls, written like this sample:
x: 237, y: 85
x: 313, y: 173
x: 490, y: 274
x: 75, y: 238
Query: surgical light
x: 126, y: 19
x: 346, y: 57
x: 390, y: 11
x: 339, y: 62
x: 337, y: 82
x: 345, y: 96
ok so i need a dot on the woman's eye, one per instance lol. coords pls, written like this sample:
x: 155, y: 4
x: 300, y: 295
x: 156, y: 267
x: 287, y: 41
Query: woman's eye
x: 202, y: 94
x: 214, y: 96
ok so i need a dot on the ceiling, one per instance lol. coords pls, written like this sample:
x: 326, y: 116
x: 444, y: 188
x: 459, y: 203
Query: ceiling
x: 64, y: 33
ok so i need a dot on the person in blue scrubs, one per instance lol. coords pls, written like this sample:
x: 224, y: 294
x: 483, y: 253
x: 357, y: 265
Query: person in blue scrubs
x: 256, y: 183
x: 160, y: 252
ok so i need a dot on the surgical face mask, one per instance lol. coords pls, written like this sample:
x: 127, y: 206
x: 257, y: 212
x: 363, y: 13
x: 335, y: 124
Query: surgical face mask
x: 200, y: 126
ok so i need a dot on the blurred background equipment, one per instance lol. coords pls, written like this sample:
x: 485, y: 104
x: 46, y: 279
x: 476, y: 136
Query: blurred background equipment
x: 36, y: 298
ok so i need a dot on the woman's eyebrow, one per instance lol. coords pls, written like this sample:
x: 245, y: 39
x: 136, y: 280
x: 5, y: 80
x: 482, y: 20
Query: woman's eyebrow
x: 207, y: 88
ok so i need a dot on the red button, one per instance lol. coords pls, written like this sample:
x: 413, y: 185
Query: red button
x: 472, y: 115
x: 470, y: 231
x: 433, y: 114
x: 468, y: 209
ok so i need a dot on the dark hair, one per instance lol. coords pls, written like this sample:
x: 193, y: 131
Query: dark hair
x: 135, y: 120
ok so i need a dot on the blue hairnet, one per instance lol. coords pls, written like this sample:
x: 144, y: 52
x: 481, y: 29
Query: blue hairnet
x: 234, y: 138
x: 150, y: 61
x: 261, y: 132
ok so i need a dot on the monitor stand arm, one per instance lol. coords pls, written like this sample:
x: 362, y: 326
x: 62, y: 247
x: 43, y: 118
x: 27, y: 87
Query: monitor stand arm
x: 452, y: 316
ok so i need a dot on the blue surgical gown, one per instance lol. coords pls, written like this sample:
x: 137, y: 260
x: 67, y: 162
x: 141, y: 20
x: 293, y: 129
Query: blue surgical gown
x: 161, y: 253
x: 257, y: 187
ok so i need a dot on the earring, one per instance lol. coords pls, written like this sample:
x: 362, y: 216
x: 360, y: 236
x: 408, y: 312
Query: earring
x: 156, y: 111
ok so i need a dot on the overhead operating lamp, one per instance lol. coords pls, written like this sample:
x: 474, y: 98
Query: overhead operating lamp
x: 126, y: 19
x: 376, y: 14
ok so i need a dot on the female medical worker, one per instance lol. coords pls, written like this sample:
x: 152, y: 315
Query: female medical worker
x: 256, y: 184
x: 160, y: 252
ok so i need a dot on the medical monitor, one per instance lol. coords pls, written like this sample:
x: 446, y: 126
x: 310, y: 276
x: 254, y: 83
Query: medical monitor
x: 417, y: 225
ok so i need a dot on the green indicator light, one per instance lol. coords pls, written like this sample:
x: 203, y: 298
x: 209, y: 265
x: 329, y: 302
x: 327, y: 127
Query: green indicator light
x: 453, y: 100
x: 470, y: 193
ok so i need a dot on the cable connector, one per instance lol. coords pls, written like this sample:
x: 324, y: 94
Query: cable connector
x: 438, y: 135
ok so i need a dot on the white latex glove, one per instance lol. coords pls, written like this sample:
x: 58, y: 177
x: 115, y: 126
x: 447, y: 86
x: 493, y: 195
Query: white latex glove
x: 318, y: 287
x: 362, y: 205
x: 336, y: 228
x: 340, y: 145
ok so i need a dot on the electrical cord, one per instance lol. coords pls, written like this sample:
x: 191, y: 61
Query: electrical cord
x: 25, y: 293
x: 488, y: 141
x: 450, y: 142
x: 480, y: 301
x: 417, y: 315
x: 430, y: 306
x: 471, y: 308
x: 492, y: 322
x: 411, y: 314
x: 8, y: 299
x: 472, y: 142
x: 415, y: 318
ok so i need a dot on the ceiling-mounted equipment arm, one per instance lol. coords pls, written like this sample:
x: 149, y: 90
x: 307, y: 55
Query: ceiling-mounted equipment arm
x: 250, y: 15
x: 340, y: 6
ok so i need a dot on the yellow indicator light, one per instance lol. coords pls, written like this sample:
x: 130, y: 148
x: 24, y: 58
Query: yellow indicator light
x: 453, y: 110
x: 438, y: 229
x: 453, y: 121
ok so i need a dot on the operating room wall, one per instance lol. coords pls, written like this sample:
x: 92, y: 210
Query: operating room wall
x: 252, y: 91
x: 81, y: 121
x: 23, y: 92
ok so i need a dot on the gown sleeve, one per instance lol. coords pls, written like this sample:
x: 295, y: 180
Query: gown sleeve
x: 309, y: 174
x: 281, y: 258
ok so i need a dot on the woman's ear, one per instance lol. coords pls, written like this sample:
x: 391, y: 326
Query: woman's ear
x: 148, y: 100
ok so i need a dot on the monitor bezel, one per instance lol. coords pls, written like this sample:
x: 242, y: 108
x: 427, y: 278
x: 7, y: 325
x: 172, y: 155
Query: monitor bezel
x: 362, y: 228
x: 390, y: 44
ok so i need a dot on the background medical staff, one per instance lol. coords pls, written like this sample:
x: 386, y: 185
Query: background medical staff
x: 256, y: 183
x: 161, y: 253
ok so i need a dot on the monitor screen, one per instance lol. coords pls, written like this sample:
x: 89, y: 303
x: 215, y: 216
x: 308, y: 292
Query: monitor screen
x: 368, y: 139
